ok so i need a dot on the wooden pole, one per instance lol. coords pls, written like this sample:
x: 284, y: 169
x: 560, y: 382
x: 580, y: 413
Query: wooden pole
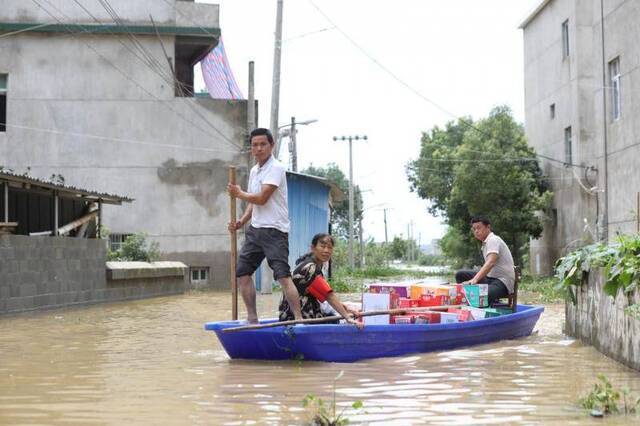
x: 338, y: 317
x: 234, y: 248
x: 56, y: 208
x: 6, y: 201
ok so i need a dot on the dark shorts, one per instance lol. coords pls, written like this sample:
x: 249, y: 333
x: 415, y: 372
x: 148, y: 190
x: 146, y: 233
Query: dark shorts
x: 260, y: 243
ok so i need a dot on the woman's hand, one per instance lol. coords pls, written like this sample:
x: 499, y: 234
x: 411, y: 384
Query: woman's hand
x: 351, y: 310
x: 352, y: 321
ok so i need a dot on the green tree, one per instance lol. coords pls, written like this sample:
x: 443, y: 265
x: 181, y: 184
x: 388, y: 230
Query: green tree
x: 340, y: 212
x: 398, y: 248
x: 483, y: 167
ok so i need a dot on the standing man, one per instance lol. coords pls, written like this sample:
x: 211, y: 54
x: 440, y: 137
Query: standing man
x: 497, y: 270
x: 268, y: 233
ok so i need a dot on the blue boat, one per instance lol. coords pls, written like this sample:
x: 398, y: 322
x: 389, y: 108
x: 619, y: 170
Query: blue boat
x: 345, y: 343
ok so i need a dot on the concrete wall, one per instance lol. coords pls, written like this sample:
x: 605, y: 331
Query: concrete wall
x: 89, y: 109
x: 54, y: 272
x: 574, y: 84
x: 137, y: 11
x: 598, y: 321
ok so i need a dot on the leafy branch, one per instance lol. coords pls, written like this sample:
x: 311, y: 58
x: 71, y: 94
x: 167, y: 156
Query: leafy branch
x: 621, y: 263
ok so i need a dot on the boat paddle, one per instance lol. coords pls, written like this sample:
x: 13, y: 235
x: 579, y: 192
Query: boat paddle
x: 338, y: 317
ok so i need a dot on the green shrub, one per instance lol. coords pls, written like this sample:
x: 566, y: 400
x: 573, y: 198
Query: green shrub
x: 621, y: 261
x: 136, y: 248
x: 603, y: 399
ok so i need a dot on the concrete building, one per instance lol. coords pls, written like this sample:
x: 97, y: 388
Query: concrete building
x: 103, y: 97
x: 582, y: 93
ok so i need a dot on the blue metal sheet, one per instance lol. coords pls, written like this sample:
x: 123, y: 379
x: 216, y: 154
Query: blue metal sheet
x: 308, y: 213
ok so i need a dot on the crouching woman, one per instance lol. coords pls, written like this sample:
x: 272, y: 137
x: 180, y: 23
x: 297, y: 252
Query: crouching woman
x: 312, y: 286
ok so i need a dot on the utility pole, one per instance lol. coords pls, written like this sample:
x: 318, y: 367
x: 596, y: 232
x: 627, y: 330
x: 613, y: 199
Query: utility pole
x: 350, y: 139
x: 605, y: 123
x: 361, y: 244
x: 293, y: 149
x: 275, y: 88
x: 251, y: 100
x: 408, y: 245
x: 386, y: 236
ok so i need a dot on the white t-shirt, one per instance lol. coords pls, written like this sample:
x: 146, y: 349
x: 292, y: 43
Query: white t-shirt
x: 275, y: 212
x: 503, y: 269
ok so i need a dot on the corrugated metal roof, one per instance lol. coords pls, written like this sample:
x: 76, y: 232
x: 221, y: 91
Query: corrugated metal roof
x: 24, y: 179
x: 335, y: 191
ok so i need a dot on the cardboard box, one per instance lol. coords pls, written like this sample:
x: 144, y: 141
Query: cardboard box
x: 422, y: 319
x: 491, y: 312
x: 477, y: 295
x: 476, y: 313
x: 432, y: 317
x: 427, y: 300
x: 401, y: 319
x: 463, y: 314
x: 403, y: 302
x: 448, y: 318
x: 460, y: 298
x: 378, y: 302
x: 398, y: 288
x: 420, y: 289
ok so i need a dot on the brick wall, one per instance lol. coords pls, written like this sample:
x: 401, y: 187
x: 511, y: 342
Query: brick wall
x: 52, y: 272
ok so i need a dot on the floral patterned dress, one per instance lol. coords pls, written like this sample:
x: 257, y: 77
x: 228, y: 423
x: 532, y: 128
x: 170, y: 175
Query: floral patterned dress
x: 304, y: 274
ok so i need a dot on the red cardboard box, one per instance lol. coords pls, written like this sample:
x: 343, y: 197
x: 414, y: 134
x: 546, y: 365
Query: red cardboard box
x: 401, y: 319
x: 403, y: 302
x: 460, y: 297
x: 431, y: 317
x: 463, y: 314
x: 429, y: 300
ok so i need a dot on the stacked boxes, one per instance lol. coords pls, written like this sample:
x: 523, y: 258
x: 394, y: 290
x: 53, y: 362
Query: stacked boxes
x: 387, y: 296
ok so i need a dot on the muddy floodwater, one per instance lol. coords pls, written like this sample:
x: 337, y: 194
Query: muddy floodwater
x: 151, y: 362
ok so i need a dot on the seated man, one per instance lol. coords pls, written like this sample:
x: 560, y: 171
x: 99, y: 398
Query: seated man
x: 497, y: 270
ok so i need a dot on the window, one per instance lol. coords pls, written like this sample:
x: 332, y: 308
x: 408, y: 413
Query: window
x: 552, y: 111
x: 565, y: 39
x: 614, y: 76
x: 3, y: 102
x: 199, y: 275
x: 116, y: 240
x: 567, y: 145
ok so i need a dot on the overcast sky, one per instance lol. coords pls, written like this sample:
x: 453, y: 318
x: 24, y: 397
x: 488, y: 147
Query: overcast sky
x: 464, y: 55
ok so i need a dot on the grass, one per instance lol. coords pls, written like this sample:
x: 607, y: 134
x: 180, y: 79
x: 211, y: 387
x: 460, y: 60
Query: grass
x: 540, y: 290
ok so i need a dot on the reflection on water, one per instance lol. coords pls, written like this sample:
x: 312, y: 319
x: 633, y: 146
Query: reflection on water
x: 151, y: 362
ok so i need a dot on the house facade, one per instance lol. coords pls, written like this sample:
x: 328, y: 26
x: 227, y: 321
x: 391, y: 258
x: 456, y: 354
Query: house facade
x: 582, y: 103
x: 100, y: 95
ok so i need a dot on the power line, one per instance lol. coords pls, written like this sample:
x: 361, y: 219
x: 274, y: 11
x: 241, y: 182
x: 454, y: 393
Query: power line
x: 154, y: 64
x: 133, y: 141
x: 414, y: 91
x: 126, y: 76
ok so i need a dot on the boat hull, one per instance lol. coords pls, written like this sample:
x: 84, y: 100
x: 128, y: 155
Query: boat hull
x: 344, y: 343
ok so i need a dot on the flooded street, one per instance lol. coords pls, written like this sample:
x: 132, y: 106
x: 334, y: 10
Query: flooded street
x: 151, y: 362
